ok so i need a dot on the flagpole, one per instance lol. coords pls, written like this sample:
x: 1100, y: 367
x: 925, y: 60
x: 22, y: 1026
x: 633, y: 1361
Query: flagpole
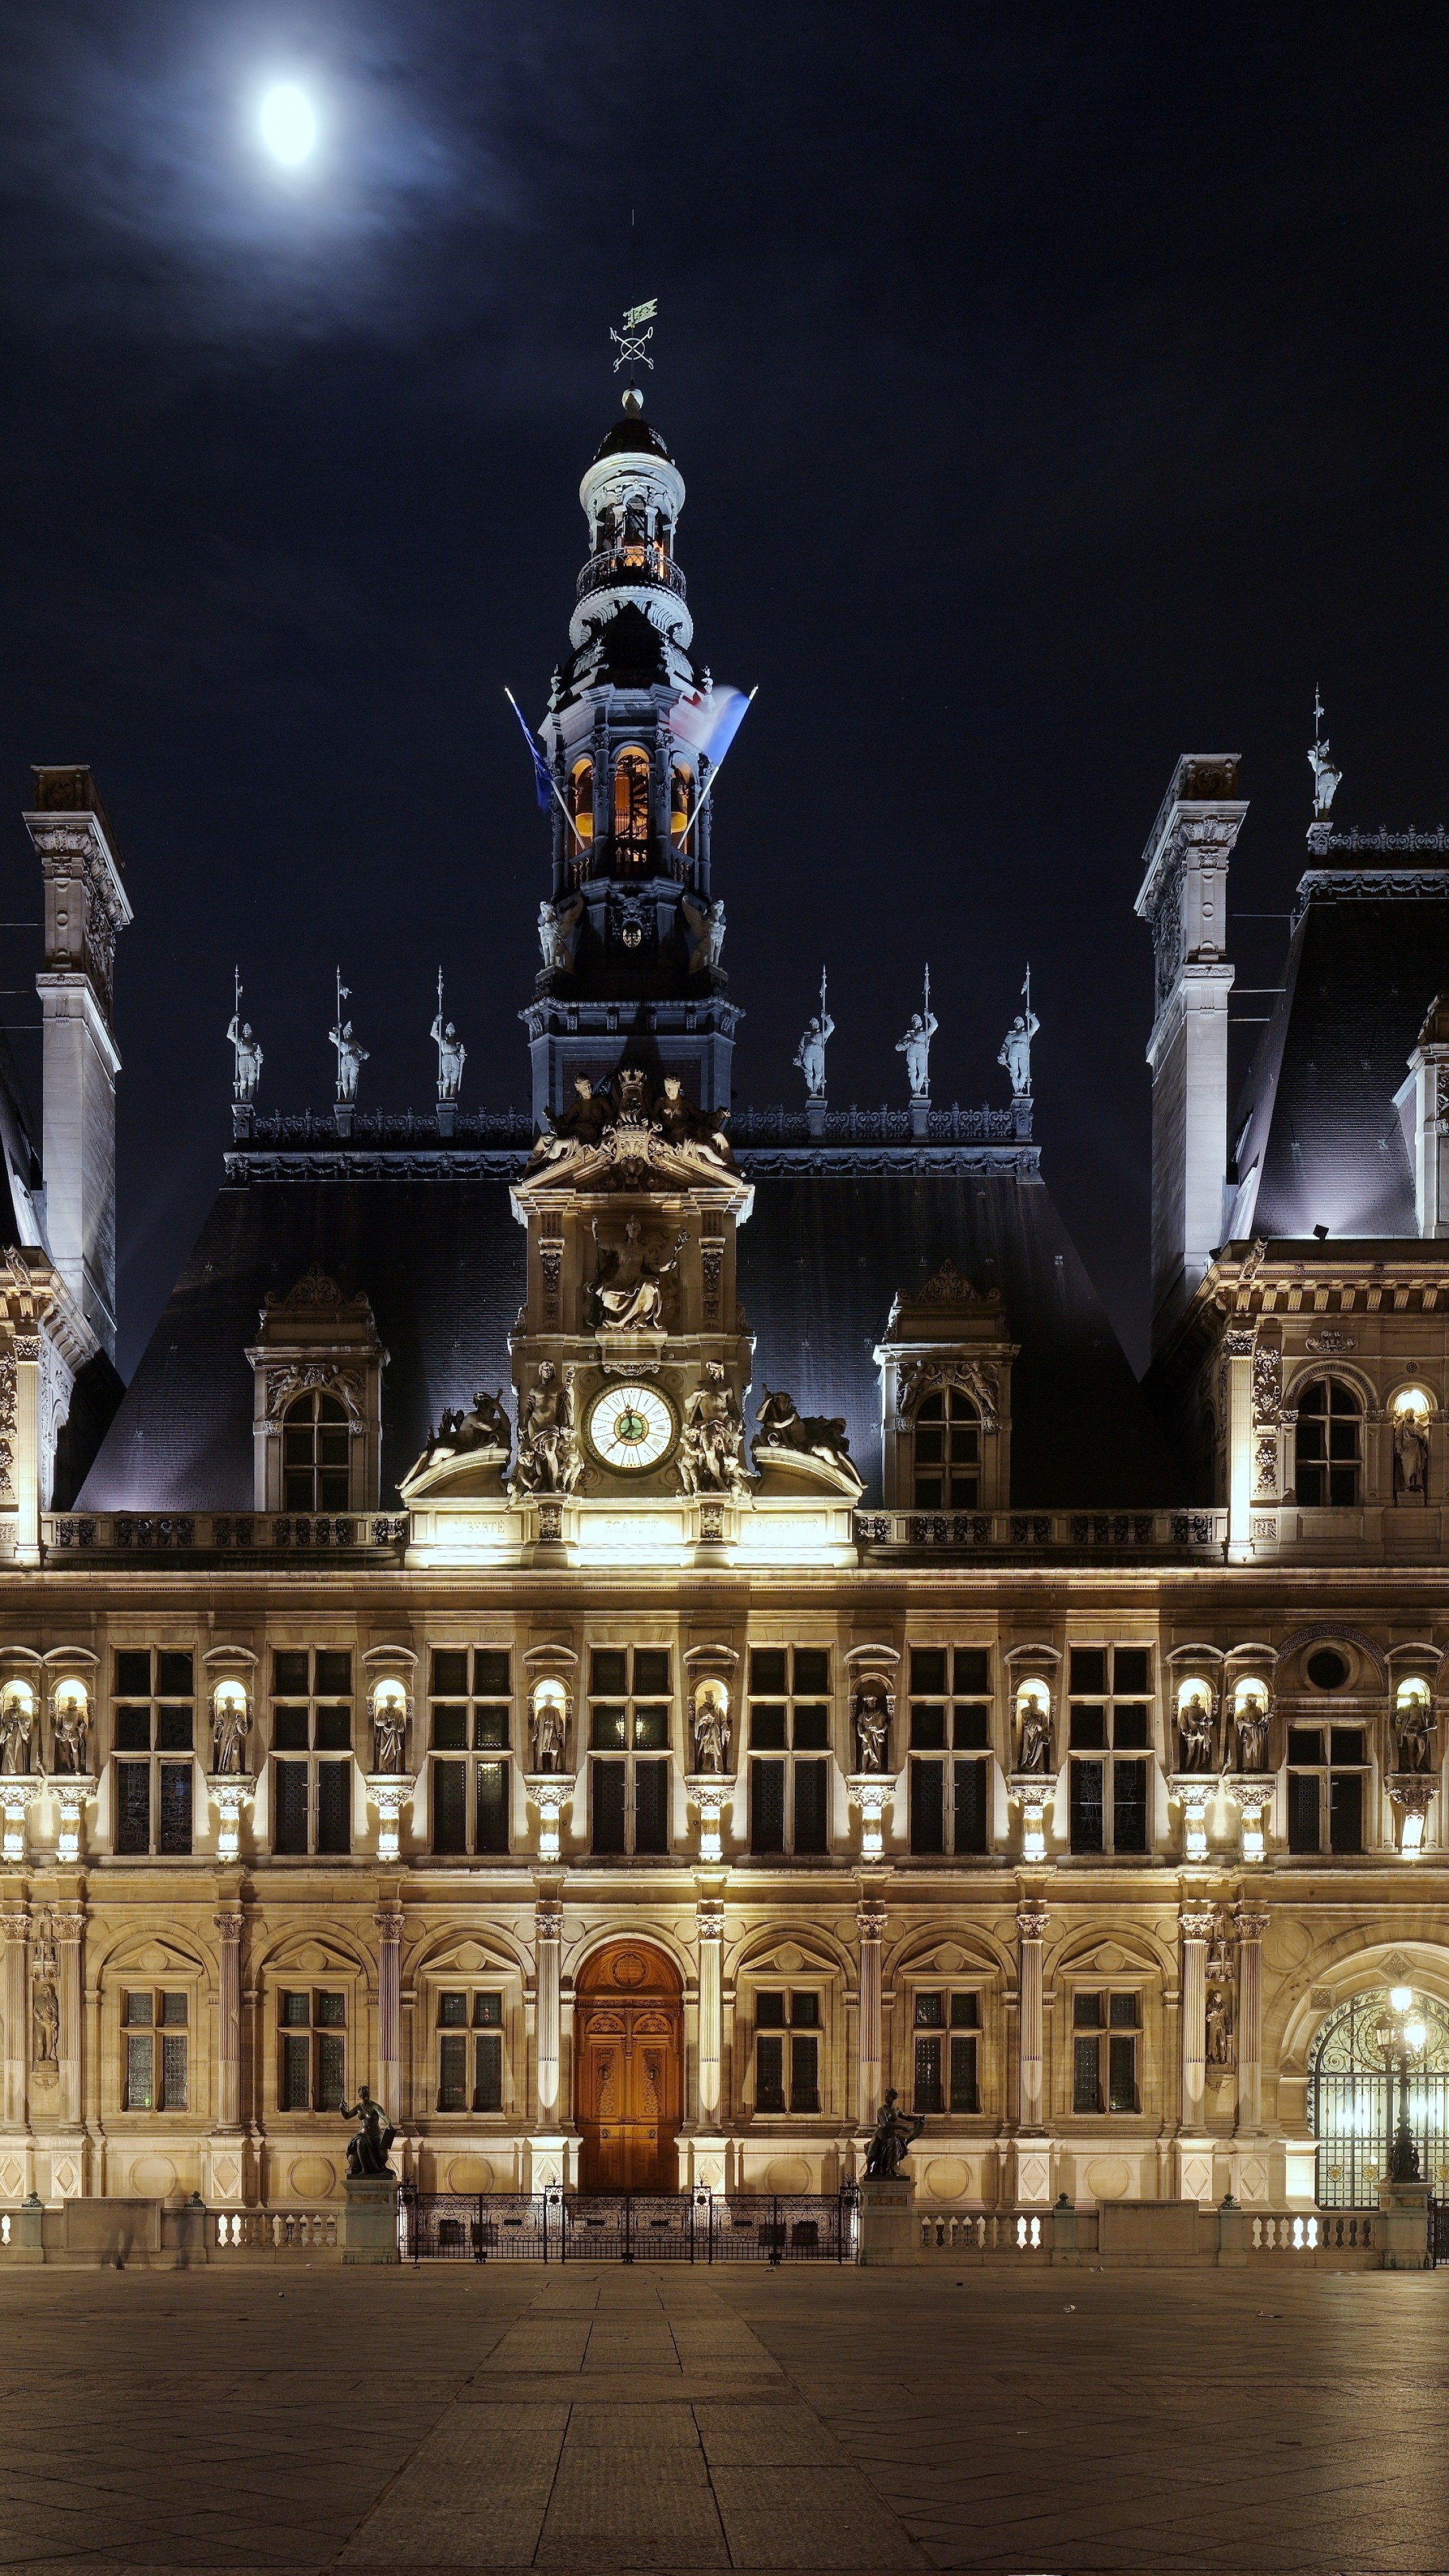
x: 548, y: 774
x: 715, y: 771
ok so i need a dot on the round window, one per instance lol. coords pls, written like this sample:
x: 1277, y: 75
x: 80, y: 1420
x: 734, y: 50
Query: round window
x: 1327, y: 1669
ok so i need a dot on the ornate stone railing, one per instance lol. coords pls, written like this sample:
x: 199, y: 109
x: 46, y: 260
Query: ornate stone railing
x: 239, y: 2231
x: 1157, y: 1533
x: 778, y: 1125
x: 624, y: 566
x: 244, y: 1534
x: 296, y: 1127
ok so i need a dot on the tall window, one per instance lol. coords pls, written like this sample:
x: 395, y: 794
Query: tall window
x: 155, y: 1718
x: 155, y: 2069
x: 1110, y: 1736
x: 581, y: 799
x: 631, y: 809
x: 789, y: 1749
x: 315, y: 1454
x: 948, y: 1452
x: 470, y: 2050
x: 312, y: 1719
x: 681, y: 800
x: 950, y: 1710
x: 1106, y: 2030
x: 1329, y: 1443
x: 312, y: 2031
x: 471, y: 1712
x: 1327, y: 1768
x: 787, y: 2051
x: 948, y: 2027
x: 629, y: 1748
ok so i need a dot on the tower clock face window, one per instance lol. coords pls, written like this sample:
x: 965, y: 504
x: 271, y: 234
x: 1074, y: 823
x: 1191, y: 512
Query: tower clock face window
x: 631, y: 1428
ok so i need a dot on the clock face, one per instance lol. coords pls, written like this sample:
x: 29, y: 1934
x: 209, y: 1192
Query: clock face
x: 630, y: 1428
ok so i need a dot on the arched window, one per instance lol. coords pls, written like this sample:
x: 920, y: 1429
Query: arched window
x: 315, y: 1455
x: 581, y: 798
x: 948, y: 1452
x: 1353, y: 2093
x: 1329, y: 1443
x: 631, y: 807
x: 681, y: 799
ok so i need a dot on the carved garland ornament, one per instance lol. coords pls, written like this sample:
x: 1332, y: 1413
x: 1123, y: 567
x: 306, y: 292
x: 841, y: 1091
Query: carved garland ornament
x: 284, y: 1384
x: 920, y: 1378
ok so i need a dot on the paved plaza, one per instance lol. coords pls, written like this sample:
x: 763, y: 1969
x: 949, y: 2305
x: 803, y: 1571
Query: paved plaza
x: 663, y: 2418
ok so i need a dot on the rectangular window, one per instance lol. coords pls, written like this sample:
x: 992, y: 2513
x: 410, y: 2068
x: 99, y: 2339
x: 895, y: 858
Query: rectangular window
x: 769, y: 2073
x: 289, y: 1806
x: 312, y: 1715
x: 611, y: 1792
x: 488, y: 2072
x: 154, y: 1712
x: 965, y: 2093
x: 471, y: 1708
x: 789, y: 1714
x: 950, y: 1711
x: 334, y: 1807
x: 628, y: 1717
x: 450, y: 1810
x: 312, y: 2069
x: 140, y: 2071
x: 812, y: 1789
x: 804, y: 2072
x: 156, y: 2068
x: 651, y: 1806
x: 452, y: 2074
x: 928, y: 1806
x: 491, y: 1831
x: 767, y: 1806
x: 174, y: 1836
x: 945, y: 2049
x: 929, y: 2095
x: 1109, y: 1720
x: 1327, y: 1769
x: 972, y: 1818
x: 1104, y: 2051
x: 133, y: 1806
x: 787, y: 2051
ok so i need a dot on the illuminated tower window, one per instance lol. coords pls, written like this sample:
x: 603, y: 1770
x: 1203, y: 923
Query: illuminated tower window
x: 631, y: 809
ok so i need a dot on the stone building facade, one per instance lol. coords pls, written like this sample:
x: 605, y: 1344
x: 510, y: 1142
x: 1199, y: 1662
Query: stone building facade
x: 819, y: 1666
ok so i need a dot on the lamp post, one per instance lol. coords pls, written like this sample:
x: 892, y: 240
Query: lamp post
x: 1401, y: 2040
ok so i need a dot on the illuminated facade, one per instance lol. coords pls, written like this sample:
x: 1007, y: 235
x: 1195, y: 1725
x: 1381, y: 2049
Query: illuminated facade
x: 819, y: 1666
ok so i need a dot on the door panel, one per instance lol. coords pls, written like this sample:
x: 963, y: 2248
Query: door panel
x: 630, y: 2060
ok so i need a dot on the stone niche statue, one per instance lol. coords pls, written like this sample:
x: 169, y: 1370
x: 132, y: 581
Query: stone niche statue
x: 1251, y: 1714
x: 871, y: 1710
x: 550, y: 1460
x: 17, y: 1725
x: 710, y: 1716
x: 1195, y: 1727
x: 711, y: 1446
x: 1413, y: 1727
x: 1219, y: 2037
x: 390, y: 1725
x: 892, y: 2138
x: 70, y: 1727
x: 1411, y: 1455
x: 368, y: 2151
x: 231, y: 1723
x: 628, y: 1291
x: 548, y: 1718
x: 1033, y: 1727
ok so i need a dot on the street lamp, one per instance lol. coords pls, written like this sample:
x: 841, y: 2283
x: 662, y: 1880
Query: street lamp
x: 1401, y: 2040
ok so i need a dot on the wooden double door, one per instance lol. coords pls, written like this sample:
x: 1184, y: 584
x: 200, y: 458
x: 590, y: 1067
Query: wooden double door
x: 629, y: 2058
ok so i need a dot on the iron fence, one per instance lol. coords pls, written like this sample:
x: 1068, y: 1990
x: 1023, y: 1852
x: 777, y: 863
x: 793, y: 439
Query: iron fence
x: 629, y: 2227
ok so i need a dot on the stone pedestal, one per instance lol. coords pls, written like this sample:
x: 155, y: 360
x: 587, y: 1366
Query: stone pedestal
x: 1405, y: 2207
x: 921, y: 1118
x: 1233, y: 2233
x: 887, y: 2222
x: 26, y: 2244
x: 369, y: 2233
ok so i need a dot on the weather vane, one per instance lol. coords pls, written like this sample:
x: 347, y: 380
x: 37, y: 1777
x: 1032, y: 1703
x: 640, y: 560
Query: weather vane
x: 632, y: 352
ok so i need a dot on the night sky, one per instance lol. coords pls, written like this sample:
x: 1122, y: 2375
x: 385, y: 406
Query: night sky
x: 1056, y: 390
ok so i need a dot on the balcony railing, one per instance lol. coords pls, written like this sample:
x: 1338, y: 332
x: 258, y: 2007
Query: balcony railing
x: 630, y: 566
x: 1171, y: 1534
x: 776, y: 1125
x: 237, y: 1534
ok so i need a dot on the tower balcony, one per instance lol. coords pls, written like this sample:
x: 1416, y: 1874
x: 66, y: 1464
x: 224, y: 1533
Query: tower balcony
x: 629, y: 566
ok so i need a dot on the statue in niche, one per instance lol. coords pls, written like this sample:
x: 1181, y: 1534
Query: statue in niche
x: 870, y: 1715
x: 247, y: 1058
x: 1034, y: 1732
x: 781, y: 1426
x: 1219, y: 2026
x: 915, y: 1046
x: 549, y: 1458
x: 548, y: 1727
x: 1195, y: 1729
x: 810, y: 1053
x: 44, y: 2022
x: 1411, y: 1455
x: 892, y: 2138
x: 628, y: 1292
x: 711, y: 1448
x: 390, y: 1734
x: 1250, y: 1726
x: 1413, y: 1733
x: 1016, y: 1052
x: 452, y: 1056
x: 17, y: 1722
x: 231, y: 1724
x: 350, y: 1058
x: 705, y: 924
x: 711, y: 1728
x: 70, y: 1723
x: 367, y: 2152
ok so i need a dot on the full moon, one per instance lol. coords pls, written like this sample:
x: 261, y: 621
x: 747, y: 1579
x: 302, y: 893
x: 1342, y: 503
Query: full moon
x: 288, y: 123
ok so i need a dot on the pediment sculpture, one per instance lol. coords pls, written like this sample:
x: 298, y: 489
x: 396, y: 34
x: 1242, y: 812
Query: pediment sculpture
x: 791, y: 1448
x: 467, y: 1454
x: 636, y: 1135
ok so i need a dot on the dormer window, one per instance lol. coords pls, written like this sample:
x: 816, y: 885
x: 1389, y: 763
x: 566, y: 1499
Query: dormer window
x: 1329, y: 1443
x: 315, y: 1442
x: 947, y: 1460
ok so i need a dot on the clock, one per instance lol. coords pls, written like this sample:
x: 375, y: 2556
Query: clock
x: 631, y: 1428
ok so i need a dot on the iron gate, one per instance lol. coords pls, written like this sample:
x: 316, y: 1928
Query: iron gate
x: 629, y: 2227
x: 1349, y: 2101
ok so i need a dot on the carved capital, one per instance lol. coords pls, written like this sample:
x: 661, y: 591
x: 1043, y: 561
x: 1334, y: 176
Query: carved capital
x: 709, y: 1917
x: 870, y: 1921
x: 14, y: 1927
x: 389, y: 1925
x: 548, y: 1918
x: 1198, y: 1923
x: 68, y: 1926
x: 1252, y: 1922
x: 229, y: 1925
x: 1032, y: 1921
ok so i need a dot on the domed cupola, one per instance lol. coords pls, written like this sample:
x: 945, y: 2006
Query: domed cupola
x: 632, y: 496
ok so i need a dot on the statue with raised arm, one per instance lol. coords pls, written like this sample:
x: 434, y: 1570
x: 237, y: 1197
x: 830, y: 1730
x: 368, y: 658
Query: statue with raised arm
x: 247, y: 1058
x: 810, y: 1053
x: 1327, y: 778
x: 892, y: 2138
x: 1016, y: 1052
x: 350, y: 1059
x: 915, y: 1046
x: 549, y: 1458
x: 368, y: 2151
x: 452, y: 1054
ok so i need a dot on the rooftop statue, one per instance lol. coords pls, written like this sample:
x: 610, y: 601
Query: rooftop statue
x: 705, y: 924
x: 810, y: 1053
x: 1016, y: 1045
x: 247, y: 1058
x: 350, y: 1059
x: 782, y: 1429
x: 632, y: 1137
x: 1326, y: 778
x: 452, y: 1054
x: 915, y: 1046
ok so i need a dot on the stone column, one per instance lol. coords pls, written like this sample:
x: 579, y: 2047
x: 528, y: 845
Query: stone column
x: 389, y: 2013
x: 26, y: 1462
x: 228, y: 2021
x: 69, y: 1934
x: 15, y: 1930
x: 547, y: 1945
x: 709, y: 1918
x: 1198, y: 1925
x: 870, y: 1923
x: 1238, y: 1365
x: 1252, y: 1924
x: 1031, y: 1924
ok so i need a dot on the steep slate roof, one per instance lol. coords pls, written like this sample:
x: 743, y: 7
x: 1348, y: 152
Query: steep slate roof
x: 442, y: 1260
x: 1366, y: 959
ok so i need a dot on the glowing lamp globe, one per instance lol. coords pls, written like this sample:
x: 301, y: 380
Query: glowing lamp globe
x: 288, y: 124
x: 1400, y: 1998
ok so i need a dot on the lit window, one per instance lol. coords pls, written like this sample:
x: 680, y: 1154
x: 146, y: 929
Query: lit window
x: 581, y: 799
x: 1329, y: 1443
x: 631, y: 809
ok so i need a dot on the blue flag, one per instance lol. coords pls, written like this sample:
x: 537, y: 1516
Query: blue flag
x: 542, y: 777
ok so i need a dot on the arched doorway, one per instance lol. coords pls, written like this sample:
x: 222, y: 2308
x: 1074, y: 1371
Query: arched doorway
x: 1349, y: 2105
x: 629, y: 2069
